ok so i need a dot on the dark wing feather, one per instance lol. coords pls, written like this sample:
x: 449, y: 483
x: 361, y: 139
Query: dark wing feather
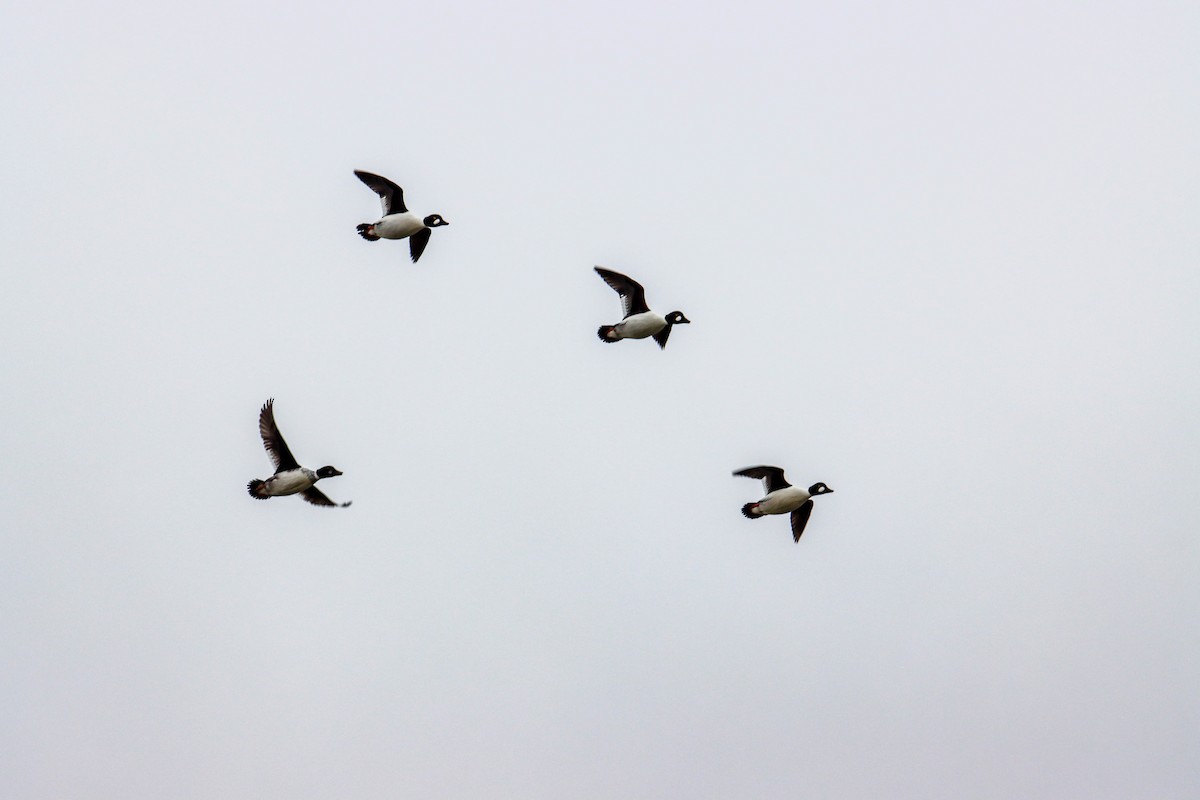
x: 277, y: 448
x: 661, y: 336
x: 633, y: 296
x: 800, y: 518
x: 417, y: 242
x: 317, y: 498
x: 391, y: 195
x: 772, y: 477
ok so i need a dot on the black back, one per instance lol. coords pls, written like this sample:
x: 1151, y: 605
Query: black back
x: 390, y: 195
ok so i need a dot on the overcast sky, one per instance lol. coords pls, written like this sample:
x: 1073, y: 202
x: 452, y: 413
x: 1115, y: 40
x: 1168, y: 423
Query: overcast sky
x: 940, y: 256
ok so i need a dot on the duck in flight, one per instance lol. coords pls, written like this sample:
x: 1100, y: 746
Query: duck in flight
x: 639, y: 321
x: 782, y: 497
x: 397, y: 221
x: 289, y: 477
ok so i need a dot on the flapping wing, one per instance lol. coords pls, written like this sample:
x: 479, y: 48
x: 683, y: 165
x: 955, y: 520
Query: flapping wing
x: 633, y: 296
x: 772, y: 477
x: 661, y: 337
x: 317, y: 498
x: 273, y: 441
x: 417, y: 242
x: 391, y: 195
x: 800, y: 519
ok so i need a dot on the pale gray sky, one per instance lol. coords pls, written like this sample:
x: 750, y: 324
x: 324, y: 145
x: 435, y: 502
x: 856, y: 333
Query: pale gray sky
x: 942, y: 257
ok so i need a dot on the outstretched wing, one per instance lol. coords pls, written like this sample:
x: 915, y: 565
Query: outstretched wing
x: 273, y: 441
x: 391, y: 195
x: 417, y: 242
x: 800, y: 518
x: 661, y: 337
x: 633, y: 296
x: 317, y: 498
x: 772, y: 477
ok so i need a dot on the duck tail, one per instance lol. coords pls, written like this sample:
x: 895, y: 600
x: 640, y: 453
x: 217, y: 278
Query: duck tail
x: 750, y: 511
x: 364, y: 230
x: 255, y: 488
x: 604, y: 334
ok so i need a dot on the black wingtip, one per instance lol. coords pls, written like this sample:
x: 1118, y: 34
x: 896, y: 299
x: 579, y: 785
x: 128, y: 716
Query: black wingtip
x: 417, y: 243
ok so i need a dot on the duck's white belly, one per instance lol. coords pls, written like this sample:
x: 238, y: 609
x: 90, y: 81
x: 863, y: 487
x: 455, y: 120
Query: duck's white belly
x: 290, y: 482
x: 398, y: 226
x: 783, y: 501
x: 639, y: 326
